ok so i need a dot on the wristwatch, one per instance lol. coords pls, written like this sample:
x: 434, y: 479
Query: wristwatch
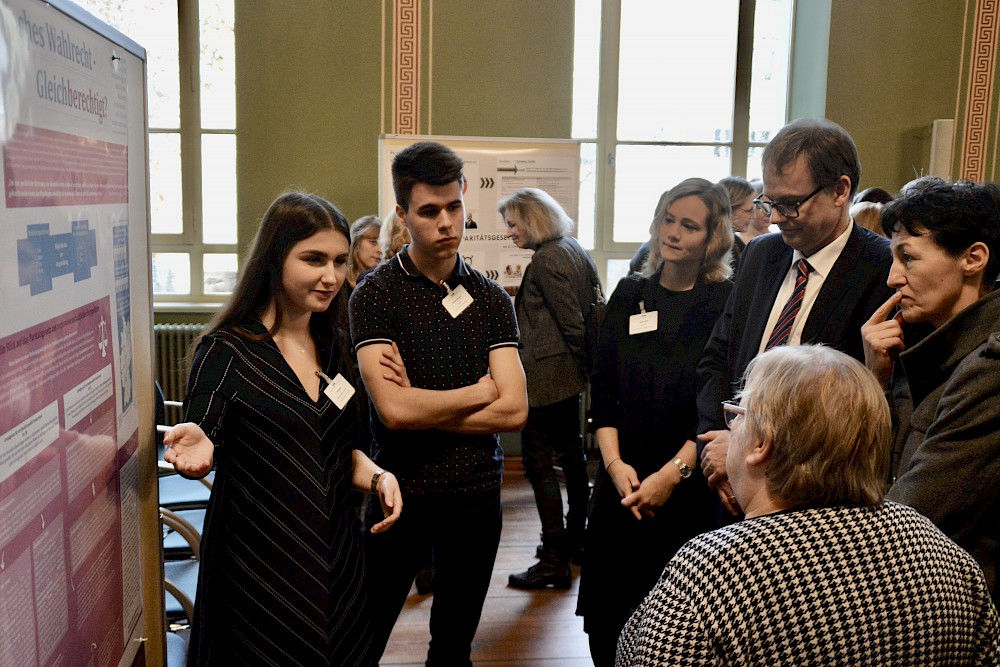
x: 378, y: 474
x: 685, y: 469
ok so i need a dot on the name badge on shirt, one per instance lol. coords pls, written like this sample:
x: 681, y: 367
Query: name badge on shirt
x: 338, y: 390
x: 458, y: 299
x: 642, y: 322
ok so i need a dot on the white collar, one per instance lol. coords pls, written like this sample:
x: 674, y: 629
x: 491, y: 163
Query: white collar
x: 822, y: 260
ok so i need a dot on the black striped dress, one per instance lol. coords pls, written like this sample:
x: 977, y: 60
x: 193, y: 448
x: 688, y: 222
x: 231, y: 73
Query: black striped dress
x: 281, y: 580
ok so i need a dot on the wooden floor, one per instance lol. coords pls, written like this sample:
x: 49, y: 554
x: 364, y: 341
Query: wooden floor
x: 517, y: 627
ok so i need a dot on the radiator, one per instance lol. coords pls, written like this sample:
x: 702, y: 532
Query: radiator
x: 171, y: 343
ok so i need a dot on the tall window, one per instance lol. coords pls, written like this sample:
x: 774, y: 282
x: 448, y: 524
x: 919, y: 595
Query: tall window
x: 668, y: 90
x: 192, y: 139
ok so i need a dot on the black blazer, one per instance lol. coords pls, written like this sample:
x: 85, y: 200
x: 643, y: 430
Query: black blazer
x: 855, y: 287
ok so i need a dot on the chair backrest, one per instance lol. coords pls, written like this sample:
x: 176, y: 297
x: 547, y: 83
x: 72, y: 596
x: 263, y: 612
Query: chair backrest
x: 181, y: 577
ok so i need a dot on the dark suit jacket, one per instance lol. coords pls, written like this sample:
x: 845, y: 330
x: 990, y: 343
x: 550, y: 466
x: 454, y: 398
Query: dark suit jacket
x: 850, y: 294
x: 552, y: 306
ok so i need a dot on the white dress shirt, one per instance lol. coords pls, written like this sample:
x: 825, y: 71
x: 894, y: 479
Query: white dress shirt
x: 822, y: 262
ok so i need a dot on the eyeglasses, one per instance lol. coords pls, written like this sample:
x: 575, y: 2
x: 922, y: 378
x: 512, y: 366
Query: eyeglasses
x: 731, y: 411
x: 790, y: 211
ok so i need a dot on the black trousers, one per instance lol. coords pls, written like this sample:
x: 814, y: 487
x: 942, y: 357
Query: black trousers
x: 462, y: 532
x: 552, y: 433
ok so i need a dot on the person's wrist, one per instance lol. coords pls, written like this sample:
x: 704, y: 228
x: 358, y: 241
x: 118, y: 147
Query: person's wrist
x: 376, y: 478
x: 669, y: 474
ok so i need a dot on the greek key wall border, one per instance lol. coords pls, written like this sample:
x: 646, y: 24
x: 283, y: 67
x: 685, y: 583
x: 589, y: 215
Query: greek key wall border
x: 406, y: 67
x: 980, y: 90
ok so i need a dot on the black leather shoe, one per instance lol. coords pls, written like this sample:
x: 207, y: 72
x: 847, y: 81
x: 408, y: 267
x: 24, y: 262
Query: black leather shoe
x: 542, y: 575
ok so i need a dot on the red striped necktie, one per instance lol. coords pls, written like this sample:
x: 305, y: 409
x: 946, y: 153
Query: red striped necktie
x: 783, y: 327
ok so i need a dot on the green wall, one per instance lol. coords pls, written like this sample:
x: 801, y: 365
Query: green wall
x: 502, y: 69
x: 307, y: 104
x: 893, y: 68
x: 308, y: 91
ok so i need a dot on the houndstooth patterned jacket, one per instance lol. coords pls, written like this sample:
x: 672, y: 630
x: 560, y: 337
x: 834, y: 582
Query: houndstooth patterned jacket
x: 822, y: 586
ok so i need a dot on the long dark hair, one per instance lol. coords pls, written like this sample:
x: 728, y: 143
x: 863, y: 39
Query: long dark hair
x: 292, y: 217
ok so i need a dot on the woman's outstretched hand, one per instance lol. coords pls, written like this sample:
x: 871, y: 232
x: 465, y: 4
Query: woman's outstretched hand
x: 189, y: 449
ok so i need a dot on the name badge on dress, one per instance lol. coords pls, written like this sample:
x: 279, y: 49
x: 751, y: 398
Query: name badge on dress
x: 642, y: 322
x: 338, y: 390
x: 458, y: 299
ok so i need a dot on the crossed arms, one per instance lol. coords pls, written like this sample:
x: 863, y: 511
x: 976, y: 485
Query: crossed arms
x: 497, y: 402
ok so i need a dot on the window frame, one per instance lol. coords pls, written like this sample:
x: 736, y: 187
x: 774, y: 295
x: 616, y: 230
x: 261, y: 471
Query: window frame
x: 191, y: 133
x: 605, y: 247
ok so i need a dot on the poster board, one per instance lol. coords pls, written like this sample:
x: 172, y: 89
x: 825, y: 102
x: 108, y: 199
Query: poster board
x: 494, y: 168
x: 75, y: 342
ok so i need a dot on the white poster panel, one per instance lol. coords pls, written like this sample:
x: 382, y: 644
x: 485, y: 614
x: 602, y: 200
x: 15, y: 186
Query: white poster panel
x: 494, y: 168
x: 68, y: 417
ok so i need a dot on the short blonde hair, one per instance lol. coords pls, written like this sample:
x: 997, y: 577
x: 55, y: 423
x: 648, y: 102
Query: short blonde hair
x: 828, y: 420
x: 541, y: 215
x: 716, y: 266
x: 393, y: 236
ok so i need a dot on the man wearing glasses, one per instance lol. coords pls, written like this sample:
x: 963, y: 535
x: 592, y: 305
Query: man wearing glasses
x: 817, y: 281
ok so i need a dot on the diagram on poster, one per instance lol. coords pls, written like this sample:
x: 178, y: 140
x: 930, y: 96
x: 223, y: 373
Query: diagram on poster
x: 495, y: 168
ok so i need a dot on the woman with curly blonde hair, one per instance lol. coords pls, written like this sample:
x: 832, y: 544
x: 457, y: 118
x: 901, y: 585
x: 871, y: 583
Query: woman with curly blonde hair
x: 392, y: 237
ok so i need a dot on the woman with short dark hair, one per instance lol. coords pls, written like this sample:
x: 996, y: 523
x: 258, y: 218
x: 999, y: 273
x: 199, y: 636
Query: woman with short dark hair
x: 945, y: 384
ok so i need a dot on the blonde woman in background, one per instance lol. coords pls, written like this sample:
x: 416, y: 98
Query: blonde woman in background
x: 392, y: 237
x: 559, y: 289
